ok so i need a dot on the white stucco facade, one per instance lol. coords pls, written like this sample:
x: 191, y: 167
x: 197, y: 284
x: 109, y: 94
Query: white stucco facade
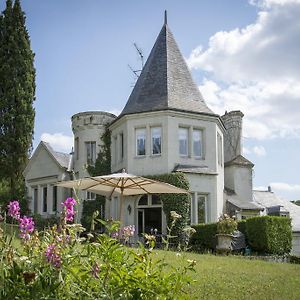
x: 41, y: 173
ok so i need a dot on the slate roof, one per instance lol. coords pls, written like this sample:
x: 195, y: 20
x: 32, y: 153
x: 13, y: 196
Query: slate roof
x: 239, y: 160
x: 269, y: 199
x: 233, y: 198
x: 165, y: 81
x: 194, y: 169
x: 63, y: 159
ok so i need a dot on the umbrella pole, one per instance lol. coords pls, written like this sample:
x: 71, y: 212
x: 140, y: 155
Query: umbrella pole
x: 121, y: 210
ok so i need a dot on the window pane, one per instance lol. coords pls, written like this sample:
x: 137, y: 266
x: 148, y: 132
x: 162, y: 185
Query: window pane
x: 140, y: 141
x: 54, y: 199
x: 201, y: 209
x: 197, y: 143
x: 183, y: 141
x: 143, y: 200
x: 45, y: 199
x: 156, y: 140
x: 155, y: 200
x: 90, y: 152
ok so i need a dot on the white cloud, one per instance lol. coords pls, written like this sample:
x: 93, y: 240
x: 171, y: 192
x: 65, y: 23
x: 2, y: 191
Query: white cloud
x: 58, y: 141
x: 281, y: 186
x: 257, y: 150
x: 256, y: 69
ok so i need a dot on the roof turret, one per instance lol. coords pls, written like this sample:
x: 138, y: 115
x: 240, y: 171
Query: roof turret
x: 165, y: 81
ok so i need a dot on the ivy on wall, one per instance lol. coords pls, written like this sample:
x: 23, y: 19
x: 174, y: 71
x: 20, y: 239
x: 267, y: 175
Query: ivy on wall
x: 175, y: 202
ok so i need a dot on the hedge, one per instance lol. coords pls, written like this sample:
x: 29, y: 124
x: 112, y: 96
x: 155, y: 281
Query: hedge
x: 269, y: 234
x: 204, y: 238
x: 88, y: 208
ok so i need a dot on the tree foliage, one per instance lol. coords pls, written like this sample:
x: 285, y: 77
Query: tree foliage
x: 17, y: 93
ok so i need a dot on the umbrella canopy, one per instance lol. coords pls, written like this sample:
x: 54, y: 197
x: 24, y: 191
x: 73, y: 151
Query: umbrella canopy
x: 122, y: 184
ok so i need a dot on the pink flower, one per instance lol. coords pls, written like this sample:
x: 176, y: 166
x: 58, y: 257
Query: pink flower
x: 53, y: 256
x: 128, y: 231
x: 14, y: 209
x: 69, y: 208
x: 26, y: 226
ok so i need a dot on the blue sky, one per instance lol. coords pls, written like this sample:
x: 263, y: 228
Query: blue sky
x: 243, y: 55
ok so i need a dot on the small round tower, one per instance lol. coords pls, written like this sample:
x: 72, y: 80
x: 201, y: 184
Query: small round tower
x: 88, y: 127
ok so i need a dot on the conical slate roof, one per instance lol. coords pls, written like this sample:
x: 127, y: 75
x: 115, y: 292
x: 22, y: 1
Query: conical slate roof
x: 165, y: 81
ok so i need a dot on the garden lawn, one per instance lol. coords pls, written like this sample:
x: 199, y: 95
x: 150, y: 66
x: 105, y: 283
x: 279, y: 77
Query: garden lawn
x: 233, y: 277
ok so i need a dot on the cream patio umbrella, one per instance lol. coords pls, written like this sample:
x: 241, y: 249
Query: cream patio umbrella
x: 122, y: 184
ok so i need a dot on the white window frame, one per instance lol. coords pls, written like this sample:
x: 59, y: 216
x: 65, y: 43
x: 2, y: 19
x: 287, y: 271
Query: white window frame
x: 186, y: 130
x: 220, y: 149
x: 138, y: 132
x: 90, y: 195
x: 196, y: 130
x: 194, y: 207
x: 90, y: 146
x: 152, y: 129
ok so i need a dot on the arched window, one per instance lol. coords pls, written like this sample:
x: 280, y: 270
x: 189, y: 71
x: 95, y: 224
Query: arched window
x: 150, y: 200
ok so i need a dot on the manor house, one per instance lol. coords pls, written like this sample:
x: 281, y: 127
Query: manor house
x: 164, y: 127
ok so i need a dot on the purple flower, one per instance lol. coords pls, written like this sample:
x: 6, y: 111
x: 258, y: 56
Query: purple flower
x: 26, y: 226
x: 14, y: 209
x: 69, y: 208
x: 128, y: 231
x: 53, y: 256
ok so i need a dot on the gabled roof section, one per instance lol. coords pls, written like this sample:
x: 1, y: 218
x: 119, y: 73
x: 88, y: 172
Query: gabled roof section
x: 241, y: 161
x: 61, y: 158
x: 165, y: 81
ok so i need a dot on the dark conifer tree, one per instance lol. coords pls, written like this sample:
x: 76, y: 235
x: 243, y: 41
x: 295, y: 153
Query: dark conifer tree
x: 17, y: 93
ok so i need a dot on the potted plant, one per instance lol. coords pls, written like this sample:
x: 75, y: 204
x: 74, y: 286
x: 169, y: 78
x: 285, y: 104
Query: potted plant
x: 225, y: 228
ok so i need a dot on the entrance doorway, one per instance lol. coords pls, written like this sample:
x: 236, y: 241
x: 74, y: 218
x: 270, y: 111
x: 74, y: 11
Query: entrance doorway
x: 149, y: 215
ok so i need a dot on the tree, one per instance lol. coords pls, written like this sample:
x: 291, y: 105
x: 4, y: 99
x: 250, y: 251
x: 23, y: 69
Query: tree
x: 17, y: 93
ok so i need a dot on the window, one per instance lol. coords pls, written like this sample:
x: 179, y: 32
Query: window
x: 197, y: 143
x: 77, y: 148
x: 115, y: 149
x: 90, y: 152
x: 54, y: 204
x: 220, y: 149
x: 121, y: 146
x: 140, y: 141
x: 183, y: 141
x: 45, y: 199
x: 35, y: 200
x: 199, y: 208
x: 156, y: 140
x: 90, y: 196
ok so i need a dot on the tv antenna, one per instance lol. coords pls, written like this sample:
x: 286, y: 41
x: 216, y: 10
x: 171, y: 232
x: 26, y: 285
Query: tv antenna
x: 137, y: 72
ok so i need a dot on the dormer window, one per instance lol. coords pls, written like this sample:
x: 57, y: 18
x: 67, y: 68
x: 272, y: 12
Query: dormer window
x: 140, y: 135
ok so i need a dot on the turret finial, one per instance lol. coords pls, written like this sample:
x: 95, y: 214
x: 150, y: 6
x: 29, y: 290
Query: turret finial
x: 166, y: 18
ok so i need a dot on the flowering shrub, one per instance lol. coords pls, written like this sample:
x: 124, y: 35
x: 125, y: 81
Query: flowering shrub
x: 226, y: 225
x: 58, y: 263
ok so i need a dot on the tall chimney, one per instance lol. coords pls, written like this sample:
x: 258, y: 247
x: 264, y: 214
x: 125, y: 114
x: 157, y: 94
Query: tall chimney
x: 233, y: 122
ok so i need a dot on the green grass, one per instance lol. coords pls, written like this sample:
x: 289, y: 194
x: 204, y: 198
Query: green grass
x: 230, y: 277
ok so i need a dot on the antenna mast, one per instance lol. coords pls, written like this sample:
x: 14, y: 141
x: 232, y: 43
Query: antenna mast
x: 141, y: 57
